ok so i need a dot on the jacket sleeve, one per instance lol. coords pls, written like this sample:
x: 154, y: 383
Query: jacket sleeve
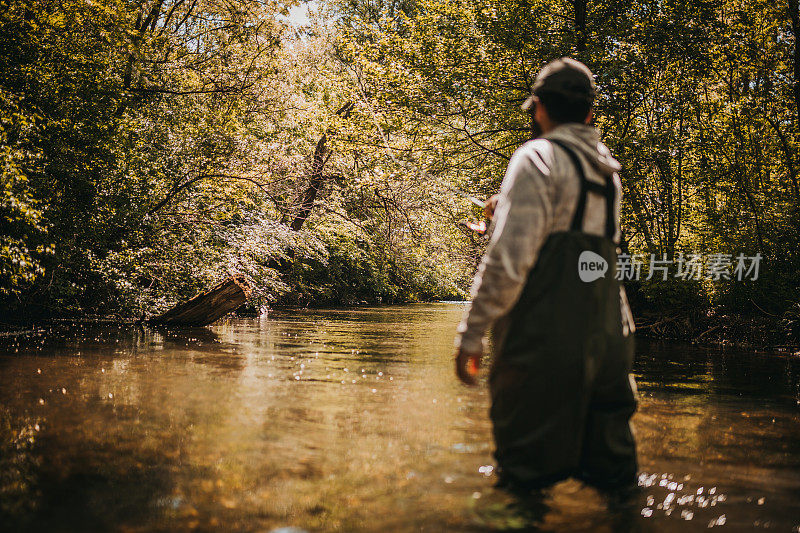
x: 521, y: 222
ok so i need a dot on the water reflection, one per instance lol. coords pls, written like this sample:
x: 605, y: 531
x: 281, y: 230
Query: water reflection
x: 351, y: 420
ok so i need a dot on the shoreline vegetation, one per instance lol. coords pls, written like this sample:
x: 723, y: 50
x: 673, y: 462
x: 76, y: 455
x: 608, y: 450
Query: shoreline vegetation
x: 756, y: 333
x: 150, y: 149
x: 745, y: 332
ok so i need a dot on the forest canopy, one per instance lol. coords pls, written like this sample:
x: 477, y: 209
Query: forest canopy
x: 151, y: 148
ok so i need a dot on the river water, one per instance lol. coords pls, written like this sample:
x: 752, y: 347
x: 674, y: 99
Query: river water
x: 352, y: 420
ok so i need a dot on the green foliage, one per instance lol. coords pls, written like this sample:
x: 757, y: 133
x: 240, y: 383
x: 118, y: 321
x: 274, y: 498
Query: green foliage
x: 21, y: 226
x: 150, y: 149
x: 357, y: 269
x: 672, y: 296
x: 350, y: 272
x: 696, y: 100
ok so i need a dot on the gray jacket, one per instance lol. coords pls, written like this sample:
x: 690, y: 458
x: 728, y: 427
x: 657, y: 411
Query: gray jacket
x: 538, y: 197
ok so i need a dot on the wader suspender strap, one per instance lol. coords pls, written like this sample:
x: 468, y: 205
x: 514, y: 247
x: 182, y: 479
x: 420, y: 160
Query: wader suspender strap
x: 608, y: 191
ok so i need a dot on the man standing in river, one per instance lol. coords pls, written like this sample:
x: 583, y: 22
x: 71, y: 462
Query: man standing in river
x: 562, y: 332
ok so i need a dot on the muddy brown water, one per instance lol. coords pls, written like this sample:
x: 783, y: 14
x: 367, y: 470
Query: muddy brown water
x: 352, y: 420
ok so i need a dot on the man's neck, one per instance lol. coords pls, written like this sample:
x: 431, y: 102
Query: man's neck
x: 556, y: 125
x: 548, y: 127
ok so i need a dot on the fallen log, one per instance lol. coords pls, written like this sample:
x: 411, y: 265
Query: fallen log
x: 208, y: 306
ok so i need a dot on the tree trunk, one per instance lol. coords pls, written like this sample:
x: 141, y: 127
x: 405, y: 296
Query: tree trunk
x: 580, y: 24
x: 208, y: 306
x: 794, y: 15
x: 315, y: 182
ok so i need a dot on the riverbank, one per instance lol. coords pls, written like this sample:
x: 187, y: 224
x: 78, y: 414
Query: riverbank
x: 748, y: 332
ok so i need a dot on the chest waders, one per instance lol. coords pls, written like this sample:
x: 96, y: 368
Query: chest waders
x: 561, y: 393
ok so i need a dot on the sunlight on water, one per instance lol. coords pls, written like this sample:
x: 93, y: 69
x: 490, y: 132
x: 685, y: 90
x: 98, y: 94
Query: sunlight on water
x: 352, y: 420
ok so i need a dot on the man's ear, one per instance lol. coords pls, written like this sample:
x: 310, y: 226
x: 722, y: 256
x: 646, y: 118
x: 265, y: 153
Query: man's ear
x: 589, y: 117
x: 536, y: 129
x: 539, y: 112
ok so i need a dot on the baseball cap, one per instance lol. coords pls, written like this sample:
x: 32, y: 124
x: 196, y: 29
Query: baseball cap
x: 564, y: 76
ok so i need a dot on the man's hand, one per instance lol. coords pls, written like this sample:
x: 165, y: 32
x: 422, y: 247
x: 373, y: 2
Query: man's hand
x: 467, y: 365
x: 490, y: 205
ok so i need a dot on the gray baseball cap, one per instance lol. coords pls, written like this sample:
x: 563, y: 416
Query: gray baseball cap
x: 564, y: 76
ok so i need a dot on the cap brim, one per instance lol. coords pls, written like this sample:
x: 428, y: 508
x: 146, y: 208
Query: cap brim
x: 528, y: 103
